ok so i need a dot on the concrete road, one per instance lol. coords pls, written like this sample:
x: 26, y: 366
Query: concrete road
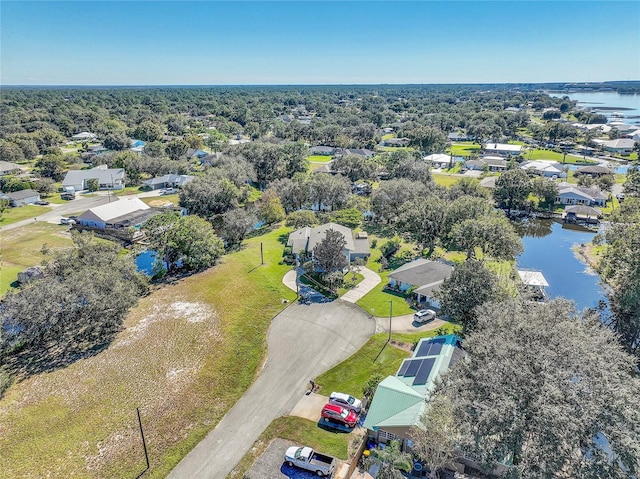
x: 304, y: 341
x: 79, y: 205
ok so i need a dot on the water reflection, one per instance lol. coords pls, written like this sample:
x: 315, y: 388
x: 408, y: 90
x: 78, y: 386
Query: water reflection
x: 533, y: 228
x: 548, y: 247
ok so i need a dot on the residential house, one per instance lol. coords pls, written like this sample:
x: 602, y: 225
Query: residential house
x: 400, y: 400
x: 621, y: 146
x: 108, y: 178
x: 396, y: 142
x: 84, y: 136
x: 303, y: 241
x: 439, y: 160
x: 503, y: 149
x: 22, y: 197
x: 120, y: 214
x: 8, y: 168
x: 594, y: 171
x: 549, y: 169
x: 490, y: 163
x: 355, y: 151
x: 458, y: 136
x: 569, y: 194
x: 322, y: 150
x: 423, y: 277
x: 168, y: 181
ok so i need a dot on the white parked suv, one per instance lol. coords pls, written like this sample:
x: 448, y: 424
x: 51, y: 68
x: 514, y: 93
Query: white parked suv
x: 346, y: 401
x: 424, y: 316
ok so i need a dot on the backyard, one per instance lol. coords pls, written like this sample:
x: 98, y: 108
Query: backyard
x: 21, y: 248
x: 61, y: 424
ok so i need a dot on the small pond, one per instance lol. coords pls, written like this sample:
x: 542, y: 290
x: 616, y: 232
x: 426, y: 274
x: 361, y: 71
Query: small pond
x: 548, y: 248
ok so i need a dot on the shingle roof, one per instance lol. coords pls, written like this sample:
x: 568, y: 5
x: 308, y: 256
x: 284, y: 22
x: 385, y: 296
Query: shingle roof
x: 305, y: 239
x: 22, y: 194
x: 422, y: 273
x: 104, y: 176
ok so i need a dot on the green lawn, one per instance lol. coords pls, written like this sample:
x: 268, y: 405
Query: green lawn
x: 376, y: 301
x: 79, y: 421
x: 129, y: 190
x: 301, y: 431
x: 319, y: 158
x: 21, y: 248
x: 464, y: 148
x: 388, y: 136
x: 394, y: 148
x: 444, y: 179
x: 350, y: 375
x: 539, y: 154
x: 19, y: 213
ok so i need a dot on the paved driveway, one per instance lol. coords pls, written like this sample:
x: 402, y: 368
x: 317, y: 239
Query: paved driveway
x: 304, y: 341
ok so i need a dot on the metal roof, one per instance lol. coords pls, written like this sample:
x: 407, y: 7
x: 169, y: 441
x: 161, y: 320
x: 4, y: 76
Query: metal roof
x: 532, y: 278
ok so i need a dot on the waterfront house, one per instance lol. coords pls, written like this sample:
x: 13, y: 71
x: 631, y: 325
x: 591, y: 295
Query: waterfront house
x: 594, y: 171
x: 422, y: 277
x: 120, y: 214
x: 621, y: 146
x: 569, y: 194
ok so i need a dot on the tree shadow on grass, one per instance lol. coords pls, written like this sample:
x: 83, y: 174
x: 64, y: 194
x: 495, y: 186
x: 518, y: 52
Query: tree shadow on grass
x: 53, y: 355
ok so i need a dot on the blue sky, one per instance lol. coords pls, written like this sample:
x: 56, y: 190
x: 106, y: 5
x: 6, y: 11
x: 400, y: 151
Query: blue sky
x: 243, y: 42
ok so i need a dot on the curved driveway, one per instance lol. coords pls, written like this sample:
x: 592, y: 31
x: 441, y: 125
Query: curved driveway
x: 304, y: 341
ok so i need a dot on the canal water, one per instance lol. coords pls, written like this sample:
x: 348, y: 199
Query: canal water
x: 548, y: 247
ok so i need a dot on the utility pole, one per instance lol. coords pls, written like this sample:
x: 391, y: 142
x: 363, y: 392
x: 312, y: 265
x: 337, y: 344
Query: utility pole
x: 261, y: 254
x: 144, y: 444
x: 390, y: 314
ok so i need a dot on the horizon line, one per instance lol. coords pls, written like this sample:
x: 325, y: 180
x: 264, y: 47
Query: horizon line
x: 183, y: 85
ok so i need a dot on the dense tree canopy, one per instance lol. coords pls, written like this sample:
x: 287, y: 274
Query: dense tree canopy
x: 545, y: 388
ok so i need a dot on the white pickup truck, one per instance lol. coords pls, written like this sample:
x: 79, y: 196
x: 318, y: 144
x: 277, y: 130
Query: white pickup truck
x: 307, y: 458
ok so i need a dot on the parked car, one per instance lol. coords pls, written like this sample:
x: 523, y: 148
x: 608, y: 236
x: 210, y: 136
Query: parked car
x: 67, y: 221
x: 424, y: 316
x: 169, y: 191
x: 307, y: 458
x: 41, y: 203
x: 346, y: 401
x: 340, y: 415
x: 68, y: 196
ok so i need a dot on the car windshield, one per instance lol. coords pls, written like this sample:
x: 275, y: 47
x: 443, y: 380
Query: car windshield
x: 298, y: 452
x: 351, y: 400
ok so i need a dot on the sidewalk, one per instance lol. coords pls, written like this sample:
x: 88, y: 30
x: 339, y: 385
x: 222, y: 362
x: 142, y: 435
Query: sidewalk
x: 370, y: 281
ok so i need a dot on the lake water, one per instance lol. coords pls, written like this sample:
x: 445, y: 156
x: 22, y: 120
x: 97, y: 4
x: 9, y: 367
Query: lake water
x: 144, y: 262
x: 607, y: 103
x: 548, y: 248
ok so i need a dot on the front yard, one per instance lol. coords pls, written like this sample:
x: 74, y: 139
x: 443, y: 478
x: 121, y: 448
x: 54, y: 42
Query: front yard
x: 20, y: 213
x: 186, y: 355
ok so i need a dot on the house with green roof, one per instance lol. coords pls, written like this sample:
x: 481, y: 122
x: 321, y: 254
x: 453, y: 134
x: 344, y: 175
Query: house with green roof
x: 400, y: 400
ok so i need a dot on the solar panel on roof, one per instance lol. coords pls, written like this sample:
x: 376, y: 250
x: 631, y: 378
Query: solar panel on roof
x: 413, y: 368
x: 403, y: 368
x: 426, y: 365
x: 436, y: 347
x: 423, y: 349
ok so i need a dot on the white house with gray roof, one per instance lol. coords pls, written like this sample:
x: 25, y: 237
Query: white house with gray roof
x: 119, y: 214
x: 569, y: 194
x: 304, y: 240
x: 424, y: 276
x: 108, y: 178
